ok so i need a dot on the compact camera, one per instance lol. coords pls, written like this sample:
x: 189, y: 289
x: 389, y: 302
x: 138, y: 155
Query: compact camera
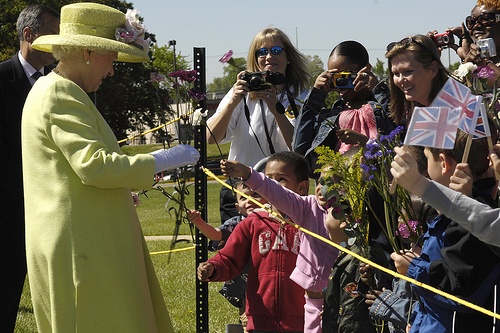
x: 487, y: 47
x: 343, y: 80
x: 262, y: 80
x: 443, y: 39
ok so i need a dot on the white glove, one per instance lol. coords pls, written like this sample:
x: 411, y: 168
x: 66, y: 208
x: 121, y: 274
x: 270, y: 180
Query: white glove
x: 169, y: 159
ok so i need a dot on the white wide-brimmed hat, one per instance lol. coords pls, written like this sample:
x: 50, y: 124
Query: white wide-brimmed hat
x: 92, y: 25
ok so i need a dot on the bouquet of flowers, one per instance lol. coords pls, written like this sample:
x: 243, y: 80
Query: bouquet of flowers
x: 344, y: 189
x: 398, y: 209
x: 482, y: 81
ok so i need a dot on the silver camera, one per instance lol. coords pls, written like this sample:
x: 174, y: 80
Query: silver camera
x: 487, y: 47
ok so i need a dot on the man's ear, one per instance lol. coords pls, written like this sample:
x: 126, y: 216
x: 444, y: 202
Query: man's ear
x: 27, y: 35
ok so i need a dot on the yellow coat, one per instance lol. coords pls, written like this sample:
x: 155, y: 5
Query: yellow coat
x: 88, y: 264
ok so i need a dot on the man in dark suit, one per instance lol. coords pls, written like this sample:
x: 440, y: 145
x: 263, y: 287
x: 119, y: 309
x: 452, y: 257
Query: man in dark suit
x: 17, y: 75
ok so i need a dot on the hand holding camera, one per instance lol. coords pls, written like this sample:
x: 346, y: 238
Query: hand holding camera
x: 444, y: 39
x: 487, y: 47
x: 262, y: 80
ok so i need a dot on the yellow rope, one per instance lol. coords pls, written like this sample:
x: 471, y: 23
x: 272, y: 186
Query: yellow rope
x: 172, y: 251
x: 357, y: 256
x: 157, y: 128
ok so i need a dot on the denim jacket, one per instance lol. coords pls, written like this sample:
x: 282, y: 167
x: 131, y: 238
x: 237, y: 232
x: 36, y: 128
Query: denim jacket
x: 315, y: 125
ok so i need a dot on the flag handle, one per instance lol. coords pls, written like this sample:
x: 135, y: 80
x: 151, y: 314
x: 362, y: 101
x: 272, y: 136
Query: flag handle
x: 465, y: 156
x: 392, y: 187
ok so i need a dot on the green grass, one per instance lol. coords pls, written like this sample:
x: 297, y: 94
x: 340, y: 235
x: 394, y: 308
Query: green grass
x: 177, y: 274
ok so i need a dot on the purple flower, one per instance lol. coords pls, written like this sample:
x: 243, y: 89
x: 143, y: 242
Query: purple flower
x: 484, y: 72
x: 196, y: 95
x: 227, y: 56
x: 186, y: 76
x: 403, y: 230
x: 156, y: 77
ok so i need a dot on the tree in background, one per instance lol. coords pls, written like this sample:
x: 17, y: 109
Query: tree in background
x: 129, y: 100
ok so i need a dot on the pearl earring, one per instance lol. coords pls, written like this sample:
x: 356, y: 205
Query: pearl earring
x: 88, y: 62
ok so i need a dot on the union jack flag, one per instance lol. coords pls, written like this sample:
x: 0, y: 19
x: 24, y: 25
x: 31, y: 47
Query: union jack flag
x: 456, y: 95
x: 433, y: 127
x: 482, y: 128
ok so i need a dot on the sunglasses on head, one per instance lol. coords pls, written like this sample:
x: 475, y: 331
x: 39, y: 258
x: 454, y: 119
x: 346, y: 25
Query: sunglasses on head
x: 275, y: 50
x: 485, y: 19
x: 405, y: 42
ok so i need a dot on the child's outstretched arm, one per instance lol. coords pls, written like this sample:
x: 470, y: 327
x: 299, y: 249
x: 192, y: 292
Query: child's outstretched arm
x: 405, y: 171
x: 235, y: 169
x: 210, y: 232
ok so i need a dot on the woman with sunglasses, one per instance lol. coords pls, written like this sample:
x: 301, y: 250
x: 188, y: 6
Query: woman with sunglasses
x: 481, y: 24
x: 416, y: 75
x: 254, y: 121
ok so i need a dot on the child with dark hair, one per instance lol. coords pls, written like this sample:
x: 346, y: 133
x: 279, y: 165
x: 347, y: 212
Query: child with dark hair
x: 359, y: 114
x: 451, y: 258
x: 234, y: 289
x: 315, y: 257
x: 273, y: 302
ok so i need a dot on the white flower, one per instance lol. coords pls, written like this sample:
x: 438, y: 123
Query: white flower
x: 465, y: 69
x: 134, y: 31
x: 199, y: 116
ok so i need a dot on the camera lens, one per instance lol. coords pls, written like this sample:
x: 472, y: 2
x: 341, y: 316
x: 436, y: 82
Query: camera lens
x: 341, y: 81
x: 255, y: 82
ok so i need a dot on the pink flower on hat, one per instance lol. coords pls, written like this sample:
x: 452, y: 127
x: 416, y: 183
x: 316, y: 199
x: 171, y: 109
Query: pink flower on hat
x: 134, y: 31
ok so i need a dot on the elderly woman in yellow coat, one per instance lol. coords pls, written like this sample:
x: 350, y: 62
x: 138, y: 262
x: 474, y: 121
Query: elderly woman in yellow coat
x: 88, y: 264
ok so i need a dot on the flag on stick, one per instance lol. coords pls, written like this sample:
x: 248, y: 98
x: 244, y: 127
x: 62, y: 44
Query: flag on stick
x: 433, y: 127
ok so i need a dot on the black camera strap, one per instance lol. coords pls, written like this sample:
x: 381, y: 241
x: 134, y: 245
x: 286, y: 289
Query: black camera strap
x: 247, y: 116
x: 269, y: 141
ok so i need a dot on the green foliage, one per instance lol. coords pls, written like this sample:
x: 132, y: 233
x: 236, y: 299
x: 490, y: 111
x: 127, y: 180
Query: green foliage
x: 380, y: 72
x: 128, y: 100
x: 315, y: 67
x: 221, y: 85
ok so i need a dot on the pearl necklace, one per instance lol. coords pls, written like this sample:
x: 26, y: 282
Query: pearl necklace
x: 58, y: 72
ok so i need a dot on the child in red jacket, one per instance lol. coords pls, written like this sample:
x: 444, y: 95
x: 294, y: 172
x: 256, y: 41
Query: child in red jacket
x: 274, y: 302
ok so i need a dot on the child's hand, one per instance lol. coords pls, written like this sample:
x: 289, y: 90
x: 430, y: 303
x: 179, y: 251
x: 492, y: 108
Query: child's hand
x: 404, y: 168
x: 235, y: 169
x: 351, y: 137
x: 194, y: 216
x: 205, y: 271
x: 371, y: 297
x: 324, y: 81
x: 402, y: 260
x: 495, y: 158
x: 461, y: 180
x: 365, y: 79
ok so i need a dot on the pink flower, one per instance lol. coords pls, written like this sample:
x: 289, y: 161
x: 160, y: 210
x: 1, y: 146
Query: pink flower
x: 184, y: 75
x: 156, y: 77
x: 484, y: 72
x: 403, y: 230
x: 226, y: 57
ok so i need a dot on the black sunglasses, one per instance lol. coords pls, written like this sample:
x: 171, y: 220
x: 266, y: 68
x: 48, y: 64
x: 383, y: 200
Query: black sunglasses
x: 275, y: 50
x: 485, y: 19
x: 407, y: 41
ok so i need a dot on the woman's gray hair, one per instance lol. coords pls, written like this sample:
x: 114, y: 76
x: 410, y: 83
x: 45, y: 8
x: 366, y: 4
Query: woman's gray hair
x: 67, y: 51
